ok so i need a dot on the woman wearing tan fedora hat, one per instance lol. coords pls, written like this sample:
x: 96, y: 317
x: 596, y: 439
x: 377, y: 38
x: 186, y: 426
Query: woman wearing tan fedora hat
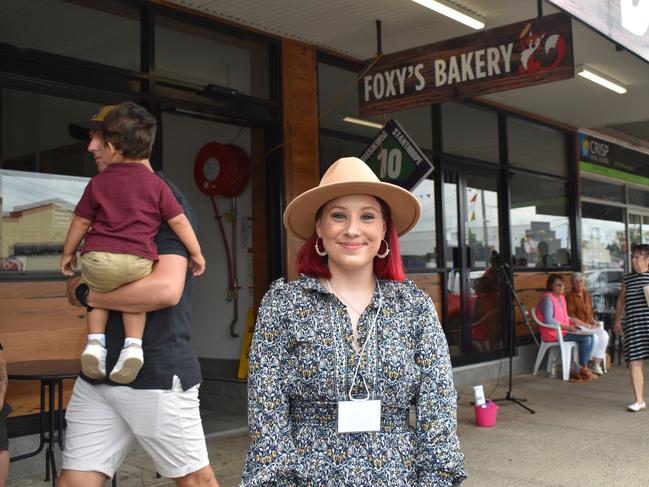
x: 341, y: 353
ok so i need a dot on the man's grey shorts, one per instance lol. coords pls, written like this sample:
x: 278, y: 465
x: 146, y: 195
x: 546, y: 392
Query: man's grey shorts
x: 104, y: 422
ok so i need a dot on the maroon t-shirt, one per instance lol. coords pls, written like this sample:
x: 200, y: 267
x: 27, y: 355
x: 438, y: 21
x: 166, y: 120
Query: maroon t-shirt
x: 126, y: 205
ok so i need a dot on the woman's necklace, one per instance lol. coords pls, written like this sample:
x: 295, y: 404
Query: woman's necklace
x: 342, y: 298
x: 354, y: 320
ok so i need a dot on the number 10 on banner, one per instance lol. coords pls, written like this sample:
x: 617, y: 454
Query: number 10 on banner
x: 390, y: 163
x: 395, y: 158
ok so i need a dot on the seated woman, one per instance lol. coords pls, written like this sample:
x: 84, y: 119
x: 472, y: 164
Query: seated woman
x: 552, y: 309
x: 580, y: 310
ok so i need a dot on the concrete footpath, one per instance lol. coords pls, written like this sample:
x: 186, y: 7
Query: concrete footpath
x: 581, y: 435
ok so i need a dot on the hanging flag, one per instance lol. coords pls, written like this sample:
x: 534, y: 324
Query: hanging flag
x: 473, y: 198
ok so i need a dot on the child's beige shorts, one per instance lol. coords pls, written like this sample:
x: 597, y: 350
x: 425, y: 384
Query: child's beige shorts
x: 105, y: 271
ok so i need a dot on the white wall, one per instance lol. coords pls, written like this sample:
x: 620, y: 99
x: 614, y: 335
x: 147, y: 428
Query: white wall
x: 211, y: 312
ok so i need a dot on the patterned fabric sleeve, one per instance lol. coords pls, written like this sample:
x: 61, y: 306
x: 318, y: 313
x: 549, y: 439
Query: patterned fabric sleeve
x: 272, y: 459
x: 439, y: 459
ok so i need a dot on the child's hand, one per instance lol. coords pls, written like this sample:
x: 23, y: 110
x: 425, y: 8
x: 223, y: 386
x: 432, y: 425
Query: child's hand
x: 197, y: 264
x: 68, y: 263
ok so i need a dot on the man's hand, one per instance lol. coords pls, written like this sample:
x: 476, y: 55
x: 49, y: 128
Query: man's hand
x: 68, y: 263
x: 197, y: 264
x: 71, y: 285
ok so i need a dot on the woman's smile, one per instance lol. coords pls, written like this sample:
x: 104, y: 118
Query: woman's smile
x: 351, y: 245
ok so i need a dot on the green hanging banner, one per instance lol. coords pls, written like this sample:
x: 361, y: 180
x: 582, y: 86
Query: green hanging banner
x: 395, y: 158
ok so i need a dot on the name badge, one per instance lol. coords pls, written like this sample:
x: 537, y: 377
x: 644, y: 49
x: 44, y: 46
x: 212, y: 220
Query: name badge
x: 359, y: 416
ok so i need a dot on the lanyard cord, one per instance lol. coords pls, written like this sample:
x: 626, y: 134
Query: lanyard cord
x: 338, y: 337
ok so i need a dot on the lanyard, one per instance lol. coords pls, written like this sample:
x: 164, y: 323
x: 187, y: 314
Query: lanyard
x: 339, y: 338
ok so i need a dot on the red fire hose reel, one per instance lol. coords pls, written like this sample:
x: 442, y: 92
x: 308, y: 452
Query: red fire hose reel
x: 224, y: 169
x: 221, y: 169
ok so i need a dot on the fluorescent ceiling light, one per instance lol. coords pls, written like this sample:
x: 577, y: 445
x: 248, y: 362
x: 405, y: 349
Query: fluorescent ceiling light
x: 452, y: 13
x: 360, y: 121
x: 601, y: 79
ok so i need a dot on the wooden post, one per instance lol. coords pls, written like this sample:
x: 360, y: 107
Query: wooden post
x: 301, y: 152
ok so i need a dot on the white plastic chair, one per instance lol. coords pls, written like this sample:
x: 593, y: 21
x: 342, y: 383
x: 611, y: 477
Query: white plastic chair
x: 568, y: 349
x: 601, y: 325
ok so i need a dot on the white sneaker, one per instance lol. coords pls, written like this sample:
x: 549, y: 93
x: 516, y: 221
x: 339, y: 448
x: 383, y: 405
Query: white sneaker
x: 637, y: 406
x: 93, y: 360
x: 597, y: 369
x: 128, y: 364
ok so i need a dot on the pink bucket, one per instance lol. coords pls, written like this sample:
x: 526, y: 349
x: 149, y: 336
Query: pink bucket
x: 486, y: 415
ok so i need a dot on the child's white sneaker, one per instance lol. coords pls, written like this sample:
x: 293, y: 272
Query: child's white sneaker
x: 128, y: 364
x: 93, y: 360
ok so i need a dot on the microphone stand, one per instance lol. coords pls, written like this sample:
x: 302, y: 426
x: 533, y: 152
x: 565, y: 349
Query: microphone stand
x: 509, y: 396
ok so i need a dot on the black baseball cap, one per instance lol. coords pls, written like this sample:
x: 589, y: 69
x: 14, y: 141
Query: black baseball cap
x: 81, y: 130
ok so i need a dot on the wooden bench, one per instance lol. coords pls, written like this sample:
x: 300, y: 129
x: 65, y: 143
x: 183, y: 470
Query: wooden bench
x: 36, y: 323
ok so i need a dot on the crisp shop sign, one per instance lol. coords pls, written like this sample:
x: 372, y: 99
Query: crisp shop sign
x: 523, y: 54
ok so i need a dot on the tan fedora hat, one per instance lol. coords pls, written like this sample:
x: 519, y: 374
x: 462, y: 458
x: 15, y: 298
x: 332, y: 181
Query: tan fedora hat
x: 347, y: 176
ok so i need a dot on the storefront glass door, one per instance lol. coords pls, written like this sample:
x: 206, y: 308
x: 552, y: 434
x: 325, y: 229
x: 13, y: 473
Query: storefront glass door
x: 638, y: 229
x: 604, y: 249
x: 472, y: 238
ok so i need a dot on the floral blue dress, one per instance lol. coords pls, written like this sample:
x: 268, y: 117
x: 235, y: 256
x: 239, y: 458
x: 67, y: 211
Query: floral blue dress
x: 299, y: 370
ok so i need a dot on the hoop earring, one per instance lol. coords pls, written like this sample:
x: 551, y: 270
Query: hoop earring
x: 387, y: 250
x: 321, y: 253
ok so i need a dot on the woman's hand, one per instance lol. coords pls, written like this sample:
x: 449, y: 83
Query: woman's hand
x: 617, y: 327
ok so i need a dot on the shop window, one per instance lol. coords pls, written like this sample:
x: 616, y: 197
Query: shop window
x: 419, y: 246
x: 43, y: 173
x: 481, y: 218
x: 451, y: 219
x: 431, y: 284
x: 470, y: 131
x: 101, y: 31
x: 604, y: 247
x: 338, y: 103
x: 333, y: 148
x: 639, y: 197
x: 215, y: 61
x: 536, y: 147
x: 338, y: 98
x: 540, y: 227
x: 593, y: 188
x: 638, y: 229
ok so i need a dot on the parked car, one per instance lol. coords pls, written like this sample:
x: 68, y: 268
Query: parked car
x: 604, y: 286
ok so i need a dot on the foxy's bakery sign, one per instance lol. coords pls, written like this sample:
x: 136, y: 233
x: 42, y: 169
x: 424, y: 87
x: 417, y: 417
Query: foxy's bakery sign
x: 513, y: 56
